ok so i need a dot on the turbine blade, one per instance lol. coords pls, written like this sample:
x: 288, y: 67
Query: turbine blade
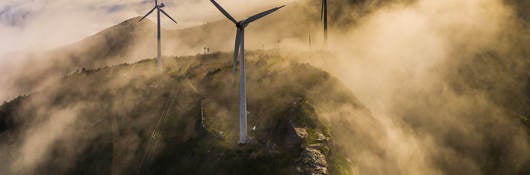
x: 156, y: 3
x: 236, y: 50
x: 148, y: 13
x: 326, y: 9
x: 261, y: 15
x: 224, y: 11
x: 322, y: 10
x: 164, y: 12
x: 325, y: 15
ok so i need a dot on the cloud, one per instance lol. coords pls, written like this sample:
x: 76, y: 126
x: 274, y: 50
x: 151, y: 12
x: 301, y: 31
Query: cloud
x: 396, y: 60
x: 36, y: 25
x: 40, y: 138
x: 400, y: 60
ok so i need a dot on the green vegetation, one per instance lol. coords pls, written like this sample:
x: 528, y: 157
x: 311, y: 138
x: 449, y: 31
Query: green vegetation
x: 339, y: 165
x: 129, y: 119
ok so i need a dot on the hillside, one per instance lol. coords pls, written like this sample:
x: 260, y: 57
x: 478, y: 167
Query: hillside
x: 130, y: 41
x: 129, y: 119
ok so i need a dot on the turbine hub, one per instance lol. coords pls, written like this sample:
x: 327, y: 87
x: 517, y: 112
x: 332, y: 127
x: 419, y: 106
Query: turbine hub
x: 240, y: 25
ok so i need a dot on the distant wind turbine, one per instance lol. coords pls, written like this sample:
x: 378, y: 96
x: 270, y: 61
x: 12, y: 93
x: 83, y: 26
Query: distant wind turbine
x: 158, y: 7
x: 240, y: 47
x: 324, y: 18
x: 309, y: 35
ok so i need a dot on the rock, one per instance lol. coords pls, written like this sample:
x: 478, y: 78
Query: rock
x: 316, y: 145
x: 321, y: 137
x: 313, y: 162
x: 295, y: 136
x: 301, y: 132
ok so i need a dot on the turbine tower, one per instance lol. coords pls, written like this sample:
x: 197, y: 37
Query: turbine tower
x: 158, y: 8
x: 240, y: 47
x: 324, y: 18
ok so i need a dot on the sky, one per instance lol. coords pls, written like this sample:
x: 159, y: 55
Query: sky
x: 35, y: 25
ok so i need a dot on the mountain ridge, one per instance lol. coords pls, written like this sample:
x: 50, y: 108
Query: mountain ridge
x: 196, y: 99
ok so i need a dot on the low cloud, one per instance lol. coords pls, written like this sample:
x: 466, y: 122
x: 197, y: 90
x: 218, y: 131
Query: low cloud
x: 404, y: 61
x: 28, y: 26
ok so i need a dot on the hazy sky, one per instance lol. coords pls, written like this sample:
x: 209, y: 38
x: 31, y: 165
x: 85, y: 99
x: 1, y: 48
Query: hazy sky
x: 29, y: 25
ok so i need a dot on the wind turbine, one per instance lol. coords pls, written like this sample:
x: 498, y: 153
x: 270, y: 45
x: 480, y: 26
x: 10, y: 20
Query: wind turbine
x: 240, y: 47
x: 309, y: 35
x: 324, y: 18
x: 158, y: 8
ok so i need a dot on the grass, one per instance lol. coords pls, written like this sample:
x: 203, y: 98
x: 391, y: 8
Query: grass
x: 134, y: 97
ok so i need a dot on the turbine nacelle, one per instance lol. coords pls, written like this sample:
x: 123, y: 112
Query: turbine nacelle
x: 241, y: 25
x: 158, y: 7
x: 244, y: 23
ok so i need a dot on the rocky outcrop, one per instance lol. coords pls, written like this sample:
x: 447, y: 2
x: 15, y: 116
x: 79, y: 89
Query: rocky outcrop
x: 295, y: 136
x: 313, y: 162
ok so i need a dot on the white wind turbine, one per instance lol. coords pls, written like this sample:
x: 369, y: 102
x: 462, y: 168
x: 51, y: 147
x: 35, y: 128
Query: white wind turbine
x: 240, y: 47
x: 158, y: 7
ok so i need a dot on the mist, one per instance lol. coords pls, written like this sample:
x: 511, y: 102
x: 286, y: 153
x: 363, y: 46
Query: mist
x: 445, y: 81
x: 39, y: 34
x: 405, y: 61
x: 42, y: 25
